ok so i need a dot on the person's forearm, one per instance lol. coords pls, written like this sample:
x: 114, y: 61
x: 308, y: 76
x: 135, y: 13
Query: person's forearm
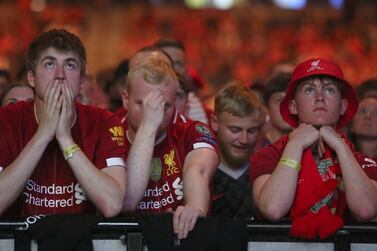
x: 14, y: 177
x: 277, y: 194
x: 199, y: 168
x: 361, y: 193
x: 138, y: 167
x: 196, y: 191
x: 105, y: 192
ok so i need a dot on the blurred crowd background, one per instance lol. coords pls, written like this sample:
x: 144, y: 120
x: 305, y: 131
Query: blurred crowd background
x: 243, y: 43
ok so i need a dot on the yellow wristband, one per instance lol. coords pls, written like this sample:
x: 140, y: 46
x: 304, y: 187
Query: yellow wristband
x: 70, y: 150
x: 290, y: 163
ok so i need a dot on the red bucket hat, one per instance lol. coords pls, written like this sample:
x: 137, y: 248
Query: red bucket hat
x: 313, y: 67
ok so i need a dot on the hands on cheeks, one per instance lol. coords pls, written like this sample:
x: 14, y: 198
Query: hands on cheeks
x: 184, y: 219
x: 307, y: 135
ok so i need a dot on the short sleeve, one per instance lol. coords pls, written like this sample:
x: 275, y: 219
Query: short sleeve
x: 111, y: 149
x: 266, y: 159
x: 198, y: 136
x: 369, y: 165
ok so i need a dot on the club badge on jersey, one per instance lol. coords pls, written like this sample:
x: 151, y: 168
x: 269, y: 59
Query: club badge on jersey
x: 156, y: 169
x: 203, y: 130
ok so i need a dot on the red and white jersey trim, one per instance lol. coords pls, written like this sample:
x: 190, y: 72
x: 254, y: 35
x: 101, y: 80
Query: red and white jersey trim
x: 115, y: 161
x: 202, y: 145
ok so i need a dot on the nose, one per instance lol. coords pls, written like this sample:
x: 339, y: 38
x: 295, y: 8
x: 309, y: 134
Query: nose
x: 59, y: 72
x: 368, y: 113
x: 243, y: 139
x: 319, y: 97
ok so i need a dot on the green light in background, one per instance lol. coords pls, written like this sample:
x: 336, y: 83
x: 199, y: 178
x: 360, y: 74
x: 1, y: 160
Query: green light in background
x: 196, y: 4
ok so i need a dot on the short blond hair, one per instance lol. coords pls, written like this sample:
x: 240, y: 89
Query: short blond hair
x: 239, y: 101
x: 154, y: 71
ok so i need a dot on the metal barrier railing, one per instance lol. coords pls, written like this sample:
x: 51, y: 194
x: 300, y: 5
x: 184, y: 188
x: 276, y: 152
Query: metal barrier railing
x: 355, y: 237
x: 125, y: 234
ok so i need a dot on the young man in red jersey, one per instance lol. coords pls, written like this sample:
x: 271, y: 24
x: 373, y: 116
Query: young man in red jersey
x: 170, y: 162
x: 57, y: 155
x: 313, y: 173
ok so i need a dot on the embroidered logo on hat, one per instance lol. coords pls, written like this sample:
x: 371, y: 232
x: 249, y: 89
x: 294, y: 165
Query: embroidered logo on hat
x: 315, y: 66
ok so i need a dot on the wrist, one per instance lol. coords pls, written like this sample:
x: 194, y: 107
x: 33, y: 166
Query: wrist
x: 293, y: 146
x: 200, y: 211
x: 341, y: 147
x: 288, y: 162
x: 69, y: 151
x: 42, y: 138
x: 147, y: 129
x: 65, y: 142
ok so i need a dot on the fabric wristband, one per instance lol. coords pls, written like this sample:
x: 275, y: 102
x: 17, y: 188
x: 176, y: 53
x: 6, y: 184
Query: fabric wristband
x: 70, y: 150
x: 290, y: 163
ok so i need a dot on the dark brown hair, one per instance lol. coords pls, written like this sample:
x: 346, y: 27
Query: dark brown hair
x: 58, y: 39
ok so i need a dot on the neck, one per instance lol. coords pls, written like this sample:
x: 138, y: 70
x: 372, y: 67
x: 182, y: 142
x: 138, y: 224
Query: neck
x: 233, y: 166
x: 274, y: 134
x: 368, y: 146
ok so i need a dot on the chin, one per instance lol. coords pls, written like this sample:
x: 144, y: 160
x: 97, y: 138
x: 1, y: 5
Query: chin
x: 238, y: 161
x: 318, y: 124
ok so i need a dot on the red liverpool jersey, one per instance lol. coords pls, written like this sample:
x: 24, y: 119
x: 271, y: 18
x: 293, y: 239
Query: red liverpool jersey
x: 165, y: 187
x: 53, y: 188
x: 266, y: 159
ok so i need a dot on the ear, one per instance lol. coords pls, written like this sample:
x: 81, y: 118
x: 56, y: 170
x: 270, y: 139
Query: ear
x: 125, y: 98
x: 214, y: 122
x: 292, y: 107
x: 31, y: 78
x: 343, y: 106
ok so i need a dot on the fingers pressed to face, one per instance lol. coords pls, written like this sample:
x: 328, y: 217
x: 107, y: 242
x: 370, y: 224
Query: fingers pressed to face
x: 53, y: 95
x: 69, y: 91
x: 155, y: 98
x: 68, y: 98
x: 65, y: 103
x: 50, y: 91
